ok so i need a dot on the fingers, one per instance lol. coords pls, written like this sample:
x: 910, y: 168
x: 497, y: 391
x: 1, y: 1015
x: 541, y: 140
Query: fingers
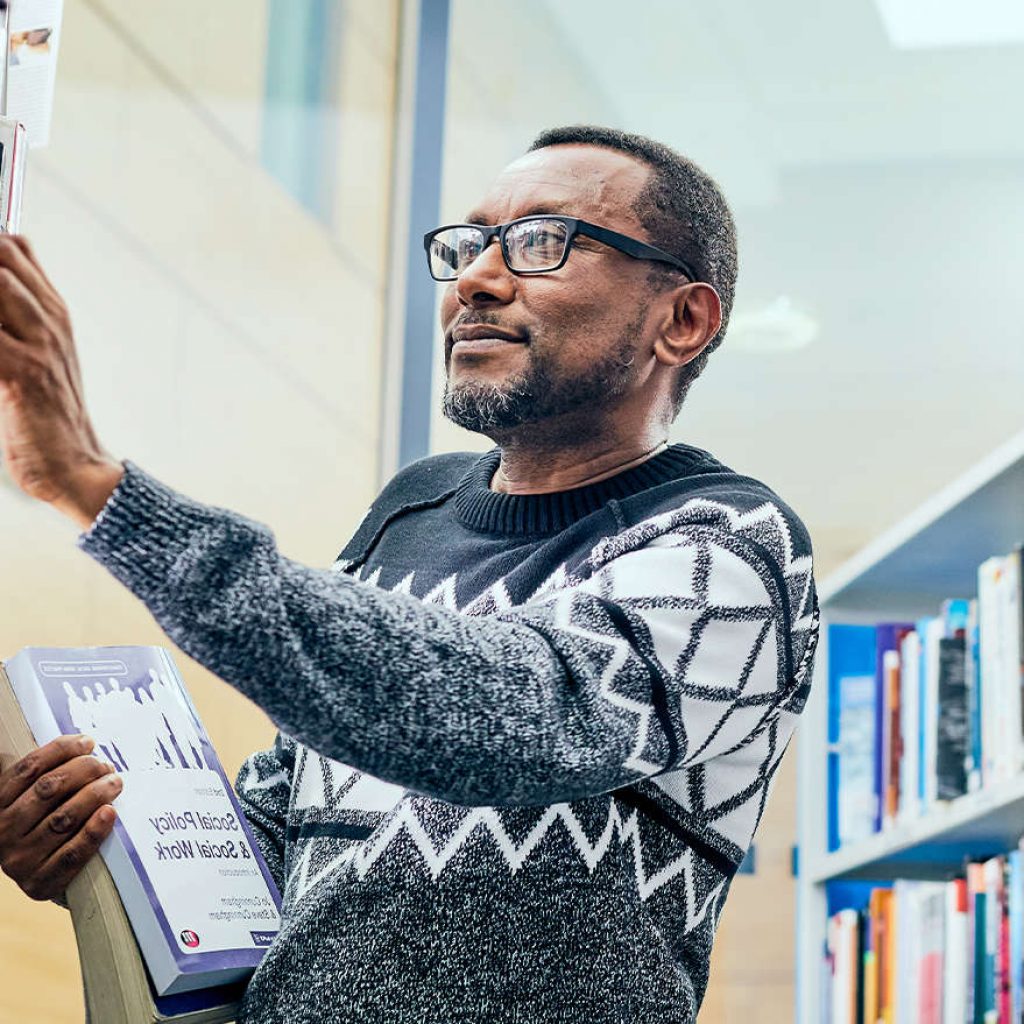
x: 17, y: 256
x: 59, y: 801
x: 21, y: 313
x: 57, y: 872
x: 67, y: 819
x: 54, y: 813
x: 22, y: 774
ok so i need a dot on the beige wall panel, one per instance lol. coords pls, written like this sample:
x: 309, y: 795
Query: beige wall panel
x: 366, y: 99
x: 216, y: 52
x: 230, y: 345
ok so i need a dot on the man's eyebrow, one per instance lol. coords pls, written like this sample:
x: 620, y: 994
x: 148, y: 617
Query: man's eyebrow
x: 537, y: 210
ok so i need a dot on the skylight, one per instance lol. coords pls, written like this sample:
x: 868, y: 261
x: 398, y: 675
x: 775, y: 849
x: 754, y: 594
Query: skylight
x: 928, y: 24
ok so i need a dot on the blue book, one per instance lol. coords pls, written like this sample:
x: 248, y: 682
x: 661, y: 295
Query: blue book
x: 851, y: 733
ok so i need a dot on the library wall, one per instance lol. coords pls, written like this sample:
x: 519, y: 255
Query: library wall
x: 230, y: 342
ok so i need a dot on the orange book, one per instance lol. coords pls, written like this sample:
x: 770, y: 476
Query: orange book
x: 891, y: 668
x: 879, y: 1007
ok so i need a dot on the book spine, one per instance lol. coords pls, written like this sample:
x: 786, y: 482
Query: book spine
x: 895, y: 752
x: 952, y: 723
x: 972, y: 676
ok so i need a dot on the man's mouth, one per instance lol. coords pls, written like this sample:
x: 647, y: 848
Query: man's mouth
x: 482, y: 338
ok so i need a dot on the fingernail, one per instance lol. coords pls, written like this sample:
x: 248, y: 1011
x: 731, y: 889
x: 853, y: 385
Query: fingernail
x: 86, y: 743
x: 107, y: 814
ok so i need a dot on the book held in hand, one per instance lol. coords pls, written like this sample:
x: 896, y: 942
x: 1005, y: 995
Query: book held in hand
x: 201, y: 901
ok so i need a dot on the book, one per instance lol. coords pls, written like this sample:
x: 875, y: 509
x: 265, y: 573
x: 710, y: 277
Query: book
x: 888, y: 637
x: 910, y: 726
x: 844, y: 952
x: 893, y: 740
x: 13, y: 150
x: 179, y: 908
x: 952, y: 725
x: 851, y: 725
x: 972, y: 677
x: 955, y: 979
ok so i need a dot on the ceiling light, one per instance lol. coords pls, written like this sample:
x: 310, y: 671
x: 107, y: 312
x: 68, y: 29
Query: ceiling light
x: 777, y: 327
x: 927, y: 24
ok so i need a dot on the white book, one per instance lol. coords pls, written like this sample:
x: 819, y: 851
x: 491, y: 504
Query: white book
x: 843, y: 950
x: 910, y: 719
x: 201, y: 901
x: 990, y: 573
x: 1010, y: 661
x: 954, y: 991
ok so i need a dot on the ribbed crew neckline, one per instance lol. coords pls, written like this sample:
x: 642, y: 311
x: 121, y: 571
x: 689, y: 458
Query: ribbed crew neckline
x: 480, y: 508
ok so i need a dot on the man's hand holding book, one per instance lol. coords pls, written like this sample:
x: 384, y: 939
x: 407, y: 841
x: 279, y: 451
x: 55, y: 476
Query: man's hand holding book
x: 54, y: 814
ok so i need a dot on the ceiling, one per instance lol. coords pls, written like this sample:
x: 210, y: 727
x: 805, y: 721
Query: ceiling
x: 879, y: 190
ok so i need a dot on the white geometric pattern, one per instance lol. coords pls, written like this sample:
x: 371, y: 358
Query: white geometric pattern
x: 362, y: 857
x: 703, y: 603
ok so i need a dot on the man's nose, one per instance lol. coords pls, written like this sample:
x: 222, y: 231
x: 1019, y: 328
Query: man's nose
x: 486, y: 280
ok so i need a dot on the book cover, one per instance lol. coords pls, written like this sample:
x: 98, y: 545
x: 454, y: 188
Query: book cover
x: 1011, y: 629
x: 851, y: 725
x: 201, y: 901
x: 997, y: 729
x: 931, y: 967
x: 975, y: 778
x: 957, y: 964
x: 932, y: 632
x: 871, y: 957
x: 953, y: 722
x: 994, y: 900
x: 910, y: 726
x: 1015, y: 910
x: 894, y: 736
x: 888, y: 637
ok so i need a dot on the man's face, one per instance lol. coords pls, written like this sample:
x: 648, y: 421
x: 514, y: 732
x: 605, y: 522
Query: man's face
x: 562, y: 342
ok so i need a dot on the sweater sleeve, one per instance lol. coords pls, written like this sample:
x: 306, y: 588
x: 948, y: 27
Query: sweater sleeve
x: 667, y: 655
x: 264, y: 791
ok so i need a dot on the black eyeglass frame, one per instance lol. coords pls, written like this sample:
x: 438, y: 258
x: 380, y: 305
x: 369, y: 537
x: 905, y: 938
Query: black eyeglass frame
x: 574, y: 226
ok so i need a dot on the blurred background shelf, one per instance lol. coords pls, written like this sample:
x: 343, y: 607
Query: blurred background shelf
x: 931, y: 555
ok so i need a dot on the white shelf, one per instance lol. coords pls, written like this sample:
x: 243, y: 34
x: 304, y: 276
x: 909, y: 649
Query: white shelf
x: 935, y: 552
x: 931, y: 555
x: 985, y: 823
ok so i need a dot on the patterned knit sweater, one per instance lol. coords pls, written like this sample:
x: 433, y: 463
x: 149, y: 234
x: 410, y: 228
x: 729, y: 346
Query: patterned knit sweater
x: 524, y: 740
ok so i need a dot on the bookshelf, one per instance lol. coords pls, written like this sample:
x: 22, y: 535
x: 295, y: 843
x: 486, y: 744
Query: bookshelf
x: 905, y: 573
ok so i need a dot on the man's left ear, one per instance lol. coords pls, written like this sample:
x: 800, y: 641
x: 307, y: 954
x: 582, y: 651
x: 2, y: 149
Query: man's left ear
x: 690, y: 324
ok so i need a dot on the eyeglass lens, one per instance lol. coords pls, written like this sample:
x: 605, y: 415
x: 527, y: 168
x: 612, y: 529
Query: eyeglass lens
x: 530, y: 245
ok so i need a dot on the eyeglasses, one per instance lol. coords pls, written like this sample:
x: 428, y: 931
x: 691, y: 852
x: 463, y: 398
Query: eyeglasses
x: 529, y: 245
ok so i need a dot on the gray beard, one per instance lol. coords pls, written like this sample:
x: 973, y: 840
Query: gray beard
x: 537, y: 394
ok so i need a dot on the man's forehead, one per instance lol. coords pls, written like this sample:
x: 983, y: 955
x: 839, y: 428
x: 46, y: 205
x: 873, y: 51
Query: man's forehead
x: 589, y: 182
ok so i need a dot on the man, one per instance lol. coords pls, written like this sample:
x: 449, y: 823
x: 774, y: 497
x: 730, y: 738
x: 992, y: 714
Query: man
x: 529, y: 722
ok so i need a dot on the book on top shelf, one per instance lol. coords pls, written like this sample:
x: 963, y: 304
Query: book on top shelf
x: 913, y: 701
x: 201, y: 902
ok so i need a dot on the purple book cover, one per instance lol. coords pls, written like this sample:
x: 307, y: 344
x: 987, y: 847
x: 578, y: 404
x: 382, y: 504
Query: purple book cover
x: 201, y: 900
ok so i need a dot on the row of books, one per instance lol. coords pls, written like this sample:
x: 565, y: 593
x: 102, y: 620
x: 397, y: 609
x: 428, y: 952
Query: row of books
x: 932, y: 952
x: 921, y: 713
